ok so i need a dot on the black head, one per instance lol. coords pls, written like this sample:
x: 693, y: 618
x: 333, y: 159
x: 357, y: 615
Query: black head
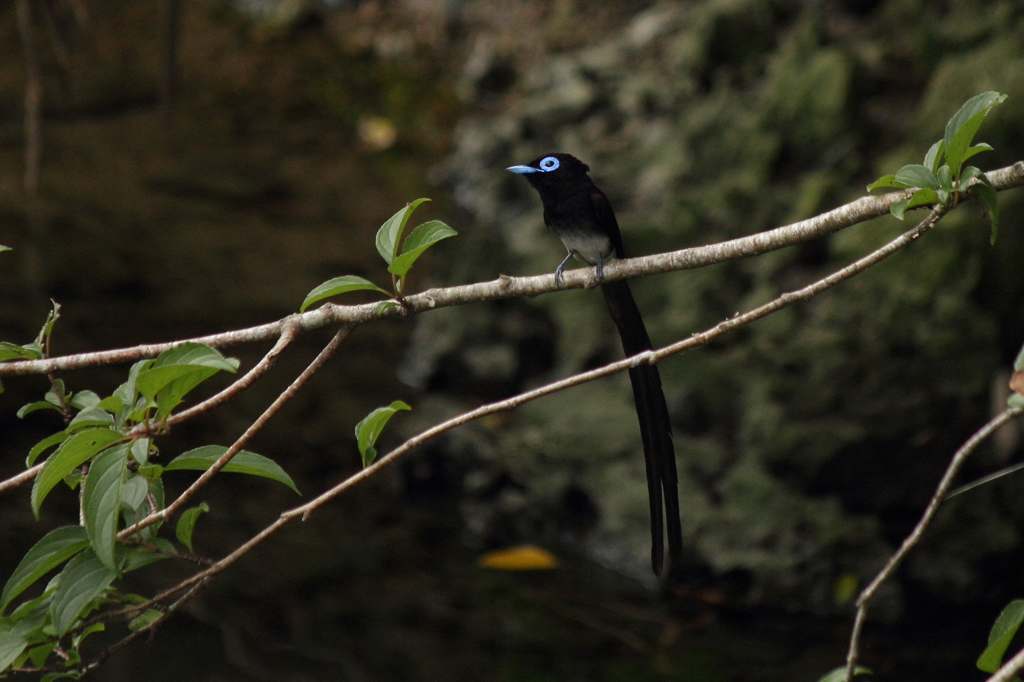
x: 554, y: 170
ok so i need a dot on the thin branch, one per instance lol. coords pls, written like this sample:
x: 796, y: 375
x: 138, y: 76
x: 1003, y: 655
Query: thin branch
x: 896, y: 559
x: 288, y: 393
x: 288, y: 334
x: 23, y: 477
x: 120, y: 644
x: 505, y: 287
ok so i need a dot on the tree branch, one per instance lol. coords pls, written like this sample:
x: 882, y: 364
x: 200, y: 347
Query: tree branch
x: 504, y: 287
x: 896, y: 559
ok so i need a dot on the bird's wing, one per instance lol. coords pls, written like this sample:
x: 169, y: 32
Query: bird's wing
x: 606, y: 218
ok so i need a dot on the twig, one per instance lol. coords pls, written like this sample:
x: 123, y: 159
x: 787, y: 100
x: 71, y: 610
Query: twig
x: 288, y: 393
x: 23, y: 477
x: 288, y: 334
x: 120, y: 644
x: 894, y: 561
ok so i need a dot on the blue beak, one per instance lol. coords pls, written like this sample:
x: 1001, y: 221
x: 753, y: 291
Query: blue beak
x: 522, y: 169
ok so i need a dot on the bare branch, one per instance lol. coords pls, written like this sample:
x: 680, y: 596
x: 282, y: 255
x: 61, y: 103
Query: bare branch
x: 896, y: 559
x: 23, y: 477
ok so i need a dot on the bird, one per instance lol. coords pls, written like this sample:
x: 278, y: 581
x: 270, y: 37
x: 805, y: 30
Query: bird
x: 582, y: 217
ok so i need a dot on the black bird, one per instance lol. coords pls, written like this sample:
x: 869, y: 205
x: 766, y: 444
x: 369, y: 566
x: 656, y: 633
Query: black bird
x: 582, y: 217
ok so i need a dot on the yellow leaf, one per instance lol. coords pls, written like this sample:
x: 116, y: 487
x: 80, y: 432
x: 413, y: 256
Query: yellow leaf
x: 521, y: 558
x: 844, y: 588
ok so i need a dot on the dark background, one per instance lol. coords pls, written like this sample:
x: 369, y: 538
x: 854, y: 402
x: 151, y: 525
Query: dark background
x: 808, y: 442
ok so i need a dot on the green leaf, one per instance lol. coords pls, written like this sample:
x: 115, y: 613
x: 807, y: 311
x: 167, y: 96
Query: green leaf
x: 945, y: 179
x: 369, y: 429
x: 933, y: 158
x: 10, y: 351
x: 52, y: 550
x: 185, y: 356
x: 126, y: 392
x: 143, y: 556
x: 177, y: 371
x: 12, y: 643
x: 134, y: 493
x: 899, y: 208
x: 140, y: 450
x: 101, y: 500
x: 989, y: 200
x: 147, y: 617
x: 44, y: 332
x: 244, y: 462
x: 999, y: 637
x: 5, y: 248
x: 39, y: 654
x: 418, y: 241
x: 920, y: 197
x: 839, y: 674
x: 156, y: 492
x: 339, y: 285
x: 194, y: 354
x: 970, y: 173
x: 390, y: 233
x: 886, y: 181
x: 961, y: 129
x: 38, y: 405
x: 84, y: 400
x: 91, y: 416
x: 75, y: 450
x: 379, y: 309
x: 976, y: 149
x: 44, y: 445
x: 78, y: 637
x: 74, y: 478
x: 187, y: 521
x: 916, y: 175
x: 82, y: 580
x: 172, y: 384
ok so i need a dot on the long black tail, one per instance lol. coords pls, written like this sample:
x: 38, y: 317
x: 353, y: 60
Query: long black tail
x: 655, y: 429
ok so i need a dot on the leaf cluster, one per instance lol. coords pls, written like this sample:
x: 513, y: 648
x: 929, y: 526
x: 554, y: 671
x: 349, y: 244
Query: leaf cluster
x: 106, y: 451
x: 398, y: 254
x: 943, y: 178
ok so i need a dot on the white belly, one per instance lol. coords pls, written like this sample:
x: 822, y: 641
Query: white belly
x: 588, y: 247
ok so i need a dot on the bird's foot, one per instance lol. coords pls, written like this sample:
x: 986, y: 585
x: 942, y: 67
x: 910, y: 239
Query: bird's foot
x: 558, y: 270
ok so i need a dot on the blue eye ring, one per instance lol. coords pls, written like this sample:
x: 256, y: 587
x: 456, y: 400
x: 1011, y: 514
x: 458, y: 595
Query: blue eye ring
x: 548, y: 164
